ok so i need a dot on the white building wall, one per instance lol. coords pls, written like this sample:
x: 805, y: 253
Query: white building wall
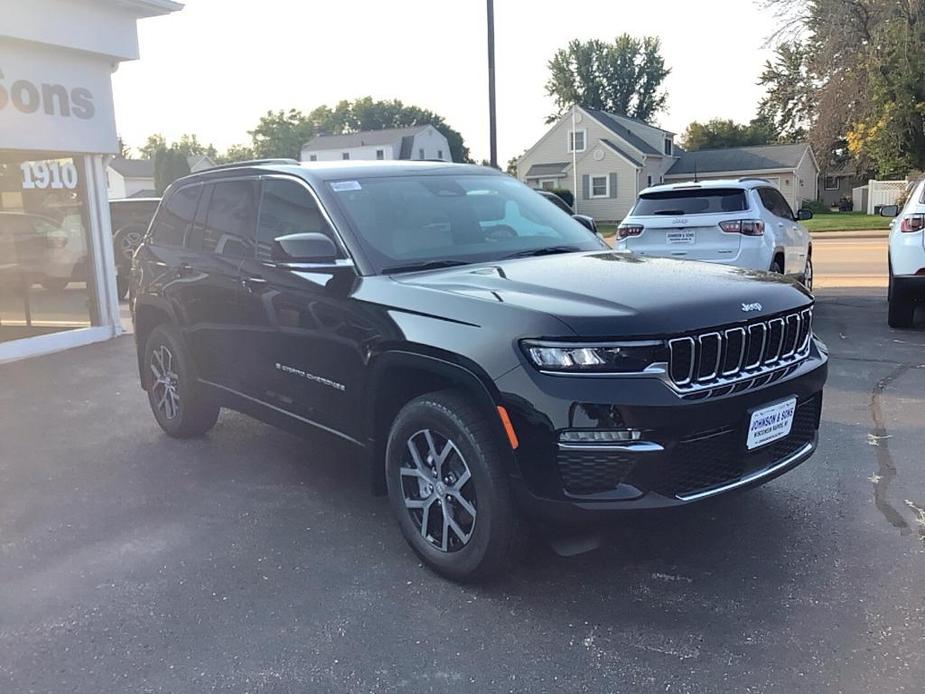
x: 432, y: 144
x: 115, y: 184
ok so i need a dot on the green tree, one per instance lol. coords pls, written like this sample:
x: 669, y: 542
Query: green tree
x: 236, y: 153
x: 853, y: 73
x: 721, y: 133
x: 169, y: 164
x: 623, y: 77
x: 152, y: 145
x: 282, y: 133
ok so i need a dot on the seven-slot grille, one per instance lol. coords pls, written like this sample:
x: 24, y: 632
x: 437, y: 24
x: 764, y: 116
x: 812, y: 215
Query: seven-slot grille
x: 717, y: 357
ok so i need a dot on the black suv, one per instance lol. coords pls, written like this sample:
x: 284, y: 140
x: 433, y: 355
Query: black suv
x: 491, y: 358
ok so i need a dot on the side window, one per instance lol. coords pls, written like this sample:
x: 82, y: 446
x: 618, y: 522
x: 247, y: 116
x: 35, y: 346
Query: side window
x: 287, y: 208
x: 231, y: 220
x: 175, y: 216
x: 775, y: 203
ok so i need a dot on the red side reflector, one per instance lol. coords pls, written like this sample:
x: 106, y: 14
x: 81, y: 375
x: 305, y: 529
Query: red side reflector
x: 508, y: 428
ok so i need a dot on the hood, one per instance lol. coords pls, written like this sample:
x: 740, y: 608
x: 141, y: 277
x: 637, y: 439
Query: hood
x: 615, y: 295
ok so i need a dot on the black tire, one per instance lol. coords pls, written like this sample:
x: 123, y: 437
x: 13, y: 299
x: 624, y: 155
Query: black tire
x: 496, y: 534
x: 901, y: 310
x: 55, y: 284
x: 189, y: 411
x: 122, y: 285
x: 808, y: 273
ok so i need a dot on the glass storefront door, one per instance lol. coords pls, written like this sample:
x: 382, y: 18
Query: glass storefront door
x: 45, y: 278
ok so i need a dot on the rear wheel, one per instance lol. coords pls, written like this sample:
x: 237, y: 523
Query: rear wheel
x: 178, y: 401
x: 778, y: 265
x: 449, y: 490
x: 901, y: 307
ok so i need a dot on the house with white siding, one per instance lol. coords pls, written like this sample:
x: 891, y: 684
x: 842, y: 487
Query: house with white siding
x: 606, y: 159
x: 416, y: 142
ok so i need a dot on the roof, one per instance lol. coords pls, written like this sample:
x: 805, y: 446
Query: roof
x: 363, y: 138
x: 540, y: 170
x: 745, y: 182
x: 133, y: 168
x: 745, y: 159
x: 632, y: 160
x: 618, y: 126
x: 148, y: 8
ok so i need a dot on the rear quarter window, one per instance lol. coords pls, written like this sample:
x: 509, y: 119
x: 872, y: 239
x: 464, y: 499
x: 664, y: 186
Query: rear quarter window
x: 691, y: 201
x: 175, y: 216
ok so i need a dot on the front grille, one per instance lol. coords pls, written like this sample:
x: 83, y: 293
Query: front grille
x: 717, y: 458
x: 706, y: 363
x: 591, y: 472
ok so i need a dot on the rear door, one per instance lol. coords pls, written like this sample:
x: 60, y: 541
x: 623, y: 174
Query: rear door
x: 684, y: 223
x: 212, y: 299
x: 786, y: 230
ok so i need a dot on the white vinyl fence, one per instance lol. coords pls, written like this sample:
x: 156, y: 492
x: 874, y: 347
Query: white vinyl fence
x: 883, y: 193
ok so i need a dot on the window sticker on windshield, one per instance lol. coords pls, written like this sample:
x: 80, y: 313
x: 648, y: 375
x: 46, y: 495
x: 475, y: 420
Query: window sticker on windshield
x: 344, y: 186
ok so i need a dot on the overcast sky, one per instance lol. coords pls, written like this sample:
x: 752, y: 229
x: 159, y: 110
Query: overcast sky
x: 215, y: 67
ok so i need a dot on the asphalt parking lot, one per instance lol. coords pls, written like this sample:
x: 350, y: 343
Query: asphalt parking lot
x: 252, y: 561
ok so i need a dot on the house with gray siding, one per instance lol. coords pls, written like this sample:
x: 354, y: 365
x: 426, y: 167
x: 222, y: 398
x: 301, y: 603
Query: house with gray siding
x: 606, y: 159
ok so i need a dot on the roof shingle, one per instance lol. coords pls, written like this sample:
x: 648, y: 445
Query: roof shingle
x: 760, y: 158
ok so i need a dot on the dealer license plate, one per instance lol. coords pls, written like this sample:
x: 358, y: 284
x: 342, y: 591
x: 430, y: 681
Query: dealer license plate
x: 681, y: 236
x: 771, y: 423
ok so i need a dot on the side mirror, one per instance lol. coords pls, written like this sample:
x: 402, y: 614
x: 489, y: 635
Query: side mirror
x: 889, y: 211
x: 586, y: 221
x: 309, y: 247
x: 804, y: 214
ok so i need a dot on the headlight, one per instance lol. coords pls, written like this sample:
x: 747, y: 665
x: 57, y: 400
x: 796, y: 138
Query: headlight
x: 612, y: 357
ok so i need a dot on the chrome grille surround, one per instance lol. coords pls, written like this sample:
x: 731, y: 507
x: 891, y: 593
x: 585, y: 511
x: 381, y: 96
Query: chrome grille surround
x: 767, y: 346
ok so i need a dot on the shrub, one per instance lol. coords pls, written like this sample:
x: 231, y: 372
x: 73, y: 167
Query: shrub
x: 566, y: 195
x: 817, y: 206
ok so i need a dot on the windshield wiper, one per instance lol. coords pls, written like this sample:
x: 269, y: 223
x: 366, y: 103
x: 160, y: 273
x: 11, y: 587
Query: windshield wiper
x: 546, y: 250
x: 429, y: 265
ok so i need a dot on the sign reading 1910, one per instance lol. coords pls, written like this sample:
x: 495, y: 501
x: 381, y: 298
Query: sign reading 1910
x: 41, y: 175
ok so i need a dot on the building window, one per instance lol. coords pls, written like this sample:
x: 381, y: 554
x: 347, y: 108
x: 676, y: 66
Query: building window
x: 421, y: 153
x: 650, y: 182
x: 313, y: 157
x: 345, y: 155
x: 439, y: 154
x: 548, y: 184
x: 380, y: 154
x: 46, y: 273
x: 577, y: 140
x: 669, y: 146
x: 831, y: 182
x: 600, y: 187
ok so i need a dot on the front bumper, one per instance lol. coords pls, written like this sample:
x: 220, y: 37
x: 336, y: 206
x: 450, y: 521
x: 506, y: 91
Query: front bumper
x: 688, y: 450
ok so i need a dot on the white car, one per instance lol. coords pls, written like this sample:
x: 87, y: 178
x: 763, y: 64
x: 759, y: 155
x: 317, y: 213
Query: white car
x: 743, y: 222
x: 907, y: 257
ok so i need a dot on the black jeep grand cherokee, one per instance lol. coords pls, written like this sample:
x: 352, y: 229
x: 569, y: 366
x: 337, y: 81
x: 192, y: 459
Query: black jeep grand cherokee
x: 489, y: 356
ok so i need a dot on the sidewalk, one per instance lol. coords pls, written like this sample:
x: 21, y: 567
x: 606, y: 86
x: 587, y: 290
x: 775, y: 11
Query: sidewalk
x: 834, y: 235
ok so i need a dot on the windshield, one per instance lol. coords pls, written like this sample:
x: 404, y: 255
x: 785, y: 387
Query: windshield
x: 408, y: 221
x: 691, y: 201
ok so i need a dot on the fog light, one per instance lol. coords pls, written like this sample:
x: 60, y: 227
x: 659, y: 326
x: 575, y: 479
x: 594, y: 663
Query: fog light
x: 598, y: 436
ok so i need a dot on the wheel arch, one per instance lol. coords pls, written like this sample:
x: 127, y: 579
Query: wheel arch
x: 147, y: 316
x: 399, y: 376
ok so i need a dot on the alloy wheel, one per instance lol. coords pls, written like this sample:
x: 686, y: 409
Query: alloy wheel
x: 808, y: 274
x: 437, y: 490
x: 166, y: 382
x: 128, y: 242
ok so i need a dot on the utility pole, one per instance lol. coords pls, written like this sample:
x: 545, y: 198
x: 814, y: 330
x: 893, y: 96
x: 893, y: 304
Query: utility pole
x: 492, y: 120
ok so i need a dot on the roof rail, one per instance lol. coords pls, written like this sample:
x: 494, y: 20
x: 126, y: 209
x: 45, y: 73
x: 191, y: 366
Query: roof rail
x: 252, y: 162
x: 753, y: 178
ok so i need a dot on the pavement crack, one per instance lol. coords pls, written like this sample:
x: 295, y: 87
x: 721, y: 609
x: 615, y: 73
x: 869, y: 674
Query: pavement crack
x: 886, y: 468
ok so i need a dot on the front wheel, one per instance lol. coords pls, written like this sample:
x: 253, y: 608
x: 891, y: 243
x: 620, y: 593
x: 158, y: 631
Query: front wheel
x: 180, y: 406
x: 808, y: 273
x: 449, y: 490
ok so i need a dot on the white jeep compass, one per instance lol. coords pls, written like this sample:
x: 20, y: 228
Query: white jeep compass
x: 907, y: 257
x: 744, y: 222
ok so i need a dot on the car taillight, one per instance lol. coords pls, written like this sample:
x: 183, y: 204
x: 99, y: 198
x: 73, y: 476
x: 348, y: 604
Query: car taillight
x: 746, y: 227
x: 915, y: 222
x: 624, y: 231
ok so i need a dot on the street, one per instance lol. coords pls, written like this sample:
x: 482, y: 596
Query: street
x: 252, y: 561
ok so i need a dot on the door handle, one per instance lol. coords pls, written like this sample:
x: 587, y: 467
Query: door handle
x: 253, y: 283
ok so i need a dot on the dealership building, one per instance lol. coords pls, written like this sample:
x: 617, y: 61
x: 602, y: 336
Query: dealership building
x: 57, y: 131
